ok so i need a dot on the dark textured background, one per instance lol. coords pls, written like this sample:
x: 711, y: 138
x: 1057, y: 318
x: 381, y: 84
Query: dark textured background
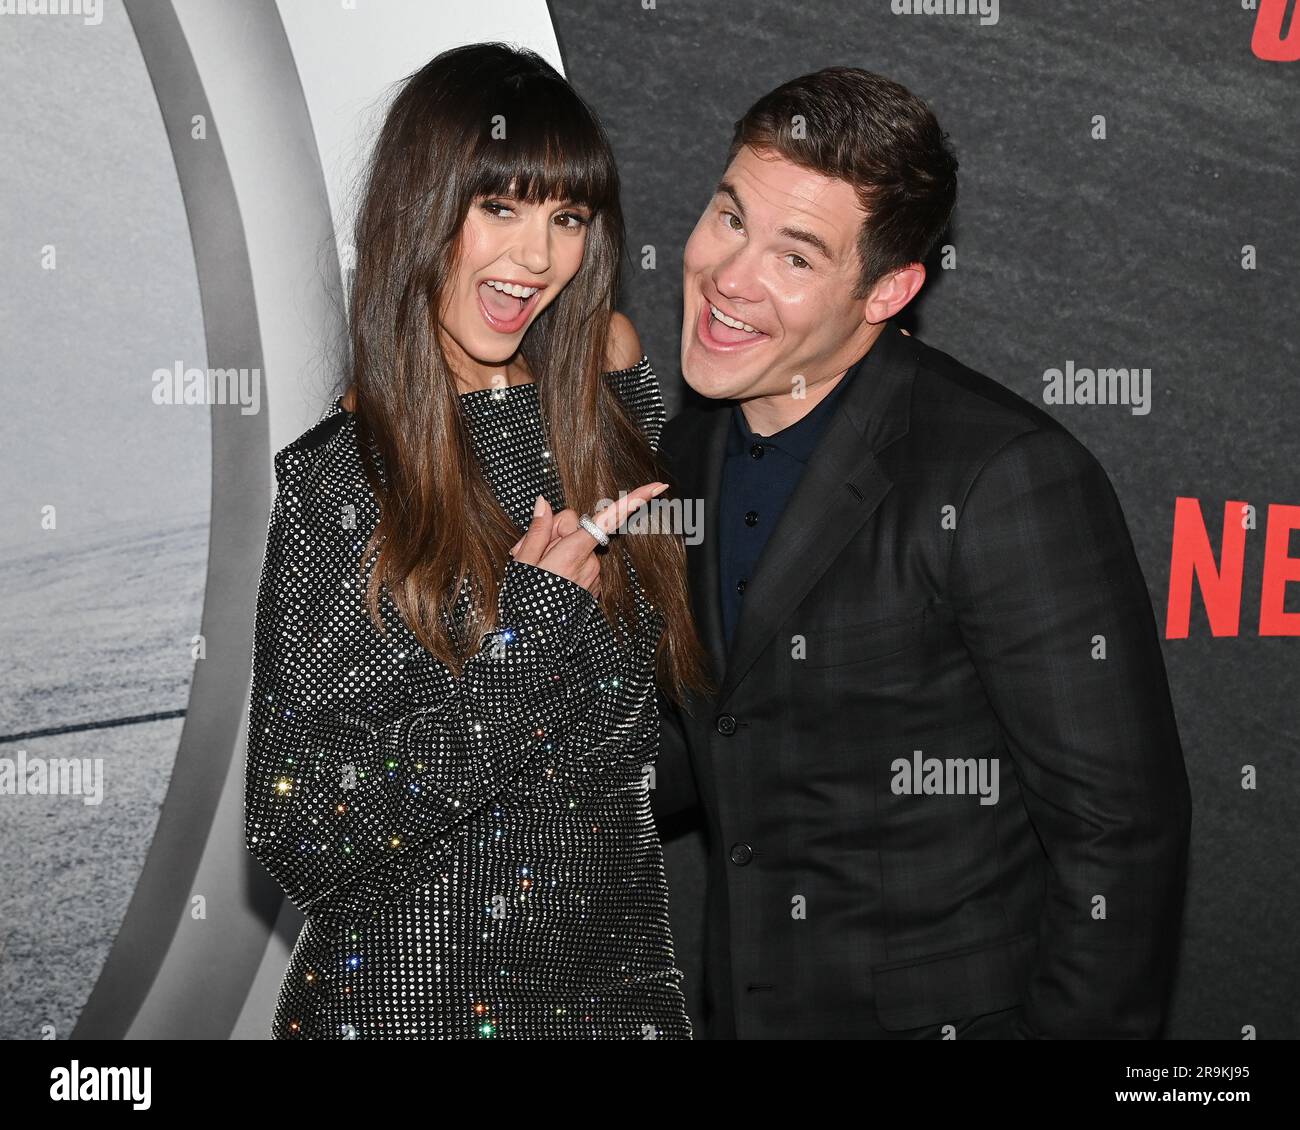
x: 1124, y: 252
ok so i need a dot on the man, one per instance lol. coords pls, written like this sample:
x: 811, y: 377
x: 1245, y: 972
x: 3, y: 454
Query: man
x: 942, y: 781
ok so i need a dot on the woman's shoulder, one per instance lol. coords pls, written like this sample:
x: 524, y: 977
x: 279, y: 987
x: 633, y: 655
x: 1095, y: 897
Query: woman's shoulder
x: 324, y: 504
x: 319, y: 452
x: 623, y: 345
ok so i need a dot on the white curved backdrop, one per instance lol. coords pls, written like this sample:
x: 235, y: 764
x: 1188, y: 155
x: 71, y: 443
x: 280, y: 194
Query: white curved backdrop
x: 269, y: 110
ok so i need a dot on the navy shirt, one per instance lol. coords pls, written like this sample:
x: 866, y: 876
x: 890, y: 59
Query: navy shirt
x: 759, y: 473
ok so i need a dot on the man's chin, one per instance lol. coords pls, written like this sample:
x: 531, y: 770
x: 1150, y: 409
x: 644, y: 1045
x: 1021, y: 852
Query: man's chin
x: 714, y: 386
x: 711, y: 378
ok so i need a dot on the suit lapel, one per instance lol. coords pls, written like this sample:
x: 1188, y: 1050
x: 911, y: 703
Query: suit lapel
x: 702, y: 467
x: 841, y: 487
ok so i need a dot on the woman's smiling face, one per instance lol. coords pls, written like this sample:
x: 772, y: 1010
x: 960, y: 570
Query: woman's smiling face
x: 514, y: 259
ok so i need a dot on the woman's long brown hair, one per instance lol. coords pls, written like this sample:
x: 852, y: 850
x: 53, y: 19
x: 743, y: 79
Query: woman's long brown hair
x: 488, y: 120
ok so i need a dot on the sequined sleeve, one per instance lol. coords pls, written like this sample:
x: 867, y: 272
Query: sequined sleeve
x: 638, y: 387
x: 343, y: 775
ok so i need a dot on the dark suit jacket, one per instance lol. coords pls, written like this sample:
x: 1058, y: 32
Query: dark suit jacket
x: 953, y: 575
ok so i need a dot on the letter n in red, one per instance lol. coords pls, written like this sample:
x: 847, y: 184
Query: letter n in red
x: 1193, y: 558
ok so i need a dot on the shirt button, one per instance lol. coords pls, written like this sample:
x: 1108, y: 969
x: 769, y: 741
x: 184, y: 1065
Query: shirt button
x: 740, y: 586
x: 726, y: 724
x: 741, y: 854
x: 756, y: 451
x: 751, y: 518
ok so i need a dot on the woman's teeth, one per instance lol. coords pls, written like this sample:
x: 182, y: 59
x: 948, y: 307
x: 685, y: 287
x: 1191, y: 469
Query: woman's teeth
x: 732, y: 322
x: 511, y: 288
x: 506, y: 305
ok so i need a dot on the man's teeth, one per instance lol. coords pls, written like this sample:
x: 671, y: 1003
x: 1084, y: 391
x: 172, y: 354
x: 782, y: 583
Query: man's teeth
x: 510, y: 288
x: 735, y: 325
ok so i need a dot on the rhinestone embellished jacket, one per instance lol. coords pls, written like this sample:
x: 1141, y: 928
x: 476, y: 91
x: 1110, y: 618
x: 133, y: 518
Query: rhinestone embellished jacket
x: 475, y: 857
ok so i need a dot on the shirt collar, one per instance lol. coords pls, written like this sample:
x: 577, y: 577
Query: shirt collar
x: 799, y: 440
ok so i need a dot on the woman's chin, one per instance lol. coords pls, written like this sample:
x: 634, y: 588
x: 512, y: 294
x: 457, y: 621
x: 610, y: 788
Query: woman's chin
x: 487, y: 349
x: 497, y: 355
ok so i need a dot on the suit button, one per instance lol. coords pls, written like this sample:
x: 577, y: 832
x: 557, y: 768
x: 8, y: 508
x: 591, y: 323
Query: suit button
x: 740, y: 586
x: 726, y: 724
x: 756, y: 451
x: 741, y: 854
x: 751, y: 517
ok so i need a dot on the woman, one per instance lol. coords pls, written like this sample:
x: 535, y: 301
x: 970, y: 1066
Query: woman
x: 450, y: 725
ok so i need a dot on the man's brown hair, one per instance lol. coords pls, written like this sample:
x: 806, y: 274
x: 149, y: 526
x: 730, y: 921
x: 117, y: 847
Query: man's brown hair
x: 874, y: 133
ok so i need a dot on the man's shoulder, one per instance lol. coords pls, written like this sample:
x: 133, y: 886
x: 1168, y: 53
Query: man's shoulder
x: 960, y: 414
x: 958, y: 417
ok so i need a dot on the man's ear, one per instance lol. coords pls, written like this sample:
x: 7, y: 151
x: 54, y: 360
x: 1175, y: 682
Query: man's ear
x: 893, y: 292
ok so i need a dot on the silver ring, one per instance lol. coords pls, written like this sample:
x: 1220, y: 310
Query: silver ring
x: 594, y: 530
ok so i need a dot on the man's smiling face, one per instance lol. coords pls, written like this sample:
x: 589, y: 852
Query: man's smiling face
x: 776, y: 250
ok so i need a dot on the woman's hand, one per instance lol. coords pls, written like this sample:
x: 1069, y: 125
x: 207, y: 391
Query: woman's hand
x: 558, y: 544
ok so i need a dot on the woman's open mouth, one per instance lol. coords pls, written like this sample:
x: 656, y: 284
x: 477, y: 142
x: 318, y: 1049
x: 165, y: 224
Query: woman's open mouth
x: 505, y: 306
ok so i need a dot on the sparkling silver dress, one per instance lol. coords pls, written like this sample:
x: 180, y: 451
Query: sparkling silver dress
x: 475, y: 857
